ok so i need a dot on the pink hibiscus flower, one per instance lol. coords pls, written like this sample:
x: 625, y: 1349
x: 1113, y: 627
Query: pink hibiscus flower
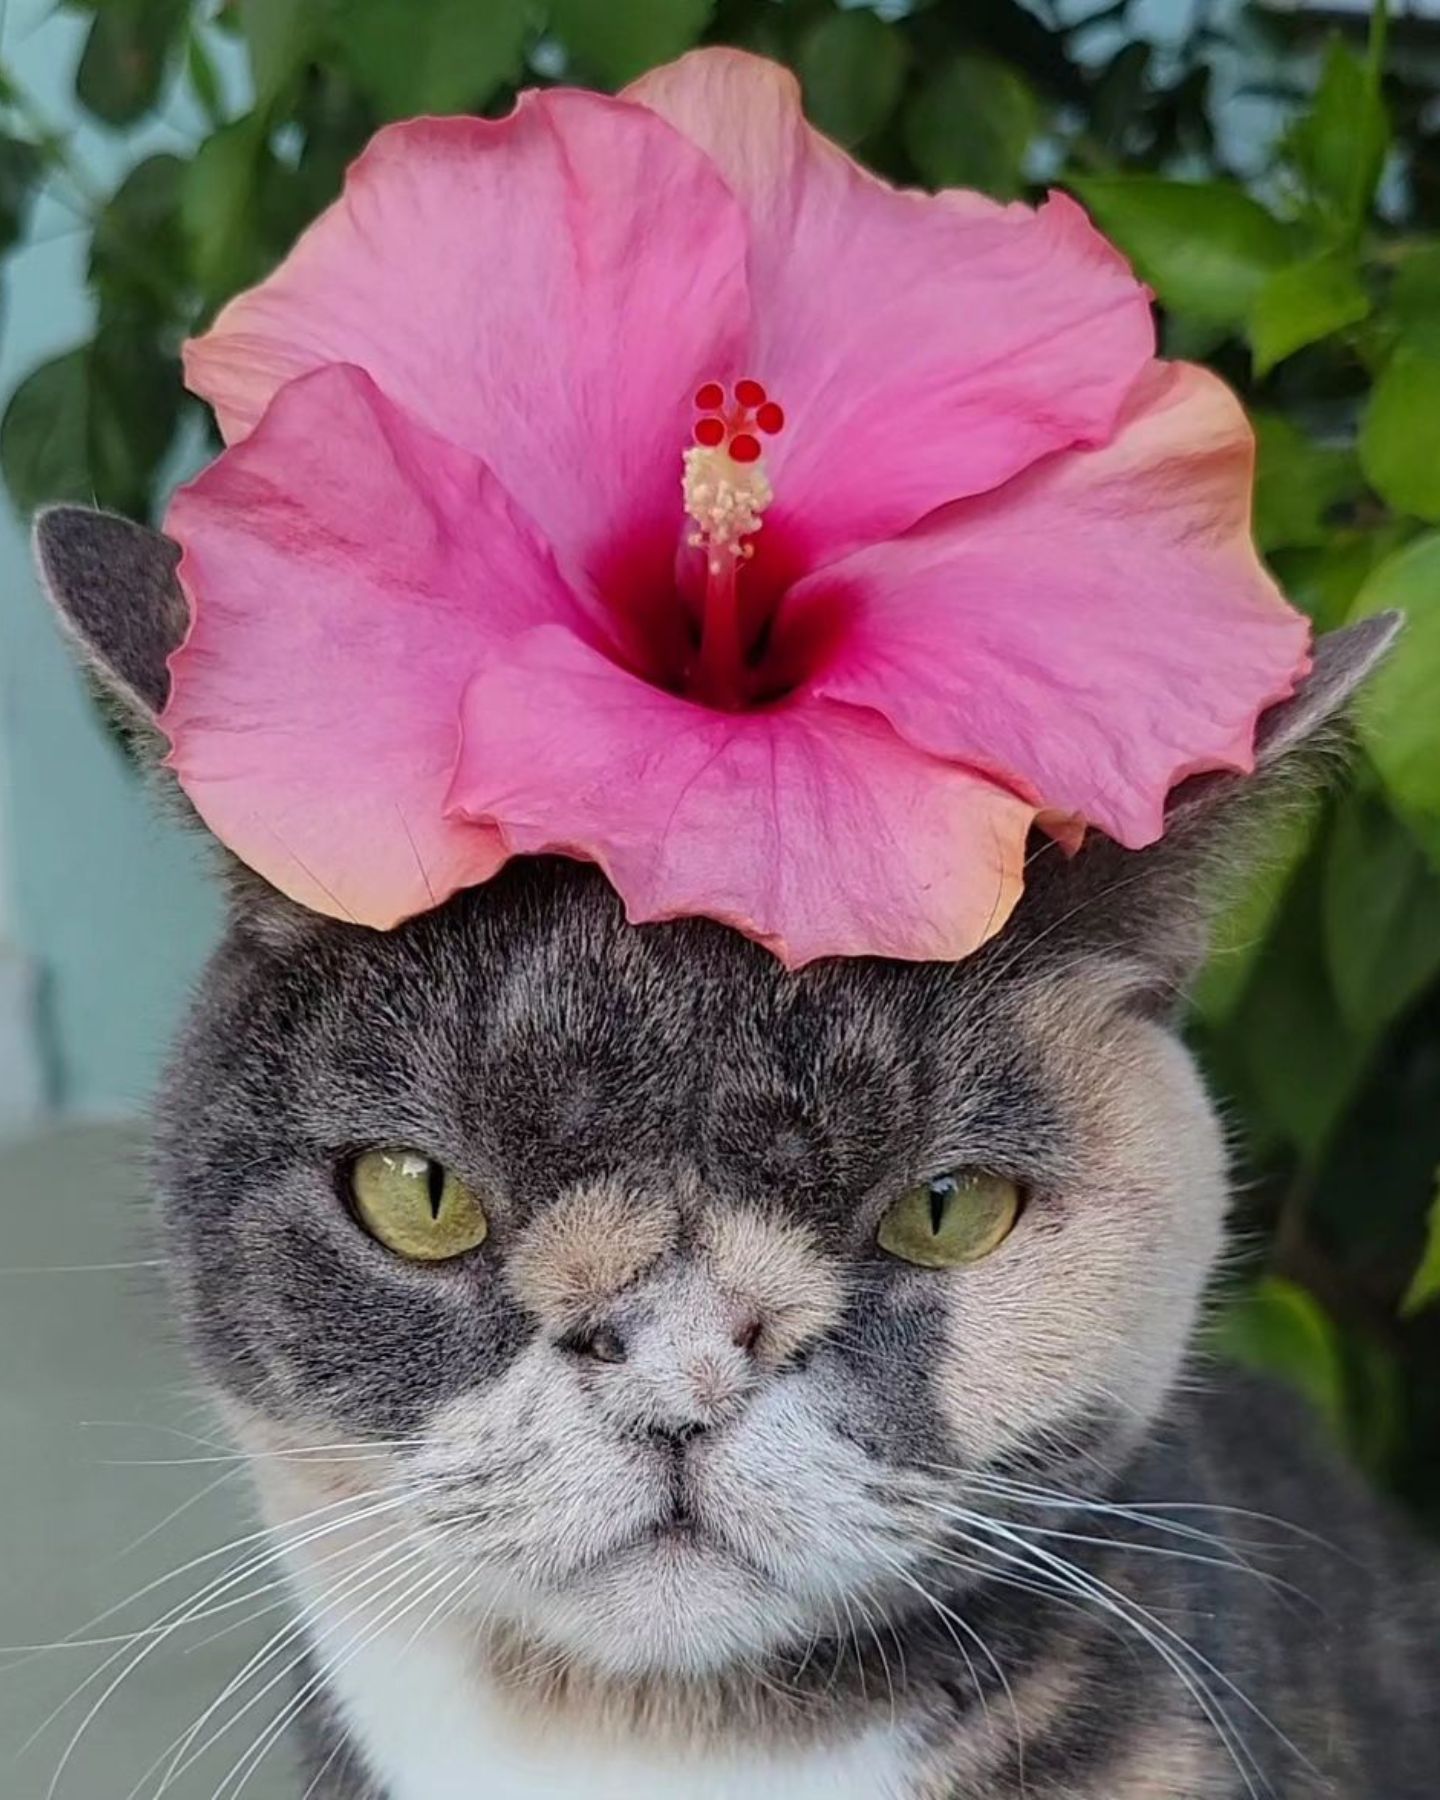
x: 641, y: 480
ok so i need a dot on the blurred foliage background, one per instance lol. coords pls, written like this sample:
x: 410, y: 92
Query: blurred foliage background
x: 1274, y: 173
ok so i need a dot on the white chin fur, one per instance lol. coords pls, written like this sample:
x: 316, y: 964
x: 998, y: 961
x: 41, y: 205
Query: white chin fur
x: 666, y: 1608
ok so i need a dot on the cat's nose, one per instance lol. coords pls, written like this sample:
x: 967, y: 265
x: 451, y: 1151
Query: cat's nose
x: 680, y: 1358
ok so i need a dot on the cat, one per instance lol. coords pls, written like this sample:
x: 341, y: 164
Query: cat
x: 684, y: 1471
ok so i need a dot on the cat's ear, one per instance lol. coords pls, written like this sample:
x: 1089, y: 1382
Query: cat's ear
x: 1153, y: 908
x: 1302, y: 725
x: 113, y: 585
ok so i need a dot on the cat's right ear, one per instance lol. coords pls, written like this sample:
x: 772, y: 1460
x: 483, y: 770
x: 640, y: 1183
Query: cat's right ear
x: 113, y: 585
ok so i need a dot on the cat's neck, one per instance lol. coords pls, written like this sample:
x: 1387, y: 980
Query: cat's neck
x: 431, y: 1717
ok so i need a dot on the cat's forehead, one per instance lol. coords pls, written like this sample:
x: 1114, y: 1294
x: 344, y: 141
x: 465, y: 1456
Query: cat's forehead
x: 531, y: 1019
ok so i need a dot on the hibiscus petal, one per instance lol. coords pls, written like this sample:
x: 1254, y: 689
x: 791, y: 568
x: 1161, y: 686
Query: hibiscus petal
x: 344, y: 568
x: 1092, y: 633
x: 545, y: 290
x: 924, y: 347
x: 811, y: 827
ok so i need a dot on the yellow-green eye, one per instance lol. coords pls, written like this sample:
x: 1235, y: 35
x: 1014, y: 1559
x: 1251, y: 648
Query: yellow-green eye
x: 956, y: 1219
x: 415, y: 1206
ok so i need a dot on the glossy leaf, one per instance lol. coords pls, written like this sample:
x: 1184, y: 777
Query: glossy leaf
x: 1339, y: 146
x: 127, y: 57
x: 1297, y: 481
x: 1323, y: 580
x: 1424, y: 1289
x: 138, y: 248
x: 1302, y: 1062
x: 852, y: 68
x: 1415, y: 300
x: 971, y: 125
x: 1280, y: 1329
x: 1121, y: 93
x: 1400, y: 435
x: 451, y: 60
x: 44, y: 449
x: 219, y: 208
x: 1301, y: 305
x: 1239, y: 935
x: 21, y: 166
x: 1399, y: 718
x: 135, y: 392
x: 204, y: 78
x: 616, y: 40
x: 280, y: 35
x: 1206, y: 248
x: 91, y: 425
x: 1382, y: 914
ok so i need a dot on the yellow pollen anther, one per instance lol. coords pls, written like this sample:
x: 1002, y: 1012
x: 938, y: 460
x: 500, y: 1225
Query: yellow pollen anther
x: 727, y: 500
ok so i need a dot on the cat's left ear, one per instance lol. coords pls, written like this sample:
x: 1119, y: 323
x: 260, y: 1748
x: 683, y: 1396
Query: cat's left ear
x: 113, y: 585
x: 1151, y: 909
x: 1343, y: 661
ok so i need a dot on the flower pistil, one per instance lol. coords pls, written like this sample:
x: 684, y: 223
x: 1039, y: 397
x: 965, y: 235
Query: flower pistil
x: 726, y: 489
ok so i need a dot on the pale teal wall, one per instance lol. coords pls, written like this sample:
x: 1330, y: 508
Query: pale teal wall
x: 104, y: 899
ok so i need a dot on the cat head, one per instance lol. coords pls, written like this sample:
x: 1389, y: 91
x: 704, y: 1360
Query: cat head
x: 660, y: 1305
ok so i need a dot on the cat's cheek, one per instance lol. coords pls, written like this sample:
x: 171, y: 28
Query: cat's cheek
x: 1073, y: 1330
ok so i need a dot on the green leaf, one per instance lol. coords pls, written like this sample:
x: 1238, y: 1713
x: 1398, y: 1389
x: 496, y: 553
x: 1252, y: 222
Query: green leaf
x: 1424, y: 1289
x: 1382, y: 914
x: 971, y: 126
x: 219, y: 208
x: 1323, y: 581
x: 852, y: 68
x: 1205, y: 247
x: 21, y: 166
x: 1297, y: 481
x: 1398, y: 718
x: 1121, y: 94
x: 137, y: 249
x: 1301, y: 305
x: 1242, y: 927
x: 200, y: 66
x: 1280, y: 1329
x: 1299, y: 1057
x: 1400, y: 433
x: 280, y: 35
x: 91, y: 424
x: 450, y: 61
x: 616, y: 40
x: 127, y: 56
x: 44, y: 447
x: 1415, y: 300
x: 1339, y: 147
x: 135, y: 391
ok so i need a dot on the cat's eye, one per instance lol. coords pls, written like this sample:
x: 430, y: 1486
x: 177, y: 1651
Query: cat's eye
x: 414, y: 1205
x: 954, y: 1219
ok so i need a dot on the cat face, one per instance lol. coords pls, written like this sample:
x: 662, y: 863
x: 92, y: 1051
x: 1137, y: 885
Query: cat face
x: 694, y: 1389
x: 679, y: 1408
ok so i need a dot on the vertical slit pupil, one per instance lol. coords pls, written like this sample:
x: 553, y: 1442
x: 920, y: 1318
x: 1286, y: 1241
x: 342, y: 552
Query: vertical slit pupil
x: 939, y: 1200
x: 435, y: 1187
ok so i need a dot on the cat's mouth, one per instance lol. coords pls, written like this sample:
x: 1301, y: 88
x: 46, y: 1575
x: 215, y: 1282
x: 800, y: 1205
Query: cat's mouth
x: 680, y: 1536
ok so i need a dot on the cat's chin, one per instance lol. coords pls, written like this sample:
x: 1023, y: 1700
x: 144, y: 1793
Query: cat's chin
x: 673, y: 1603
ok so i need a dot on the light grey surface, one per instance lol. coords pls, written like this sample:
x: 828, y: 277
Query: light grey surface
x: 104, y: 1439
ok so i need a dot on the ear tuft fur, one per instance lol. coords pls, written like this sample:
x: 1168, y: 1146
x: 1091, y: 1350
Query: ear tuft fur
x: 113, y: 585
x: 1344, y: 661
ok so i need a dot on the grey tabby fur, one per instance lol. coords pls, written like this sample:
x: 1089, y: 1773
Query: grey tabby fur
x: 986, y: 1504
